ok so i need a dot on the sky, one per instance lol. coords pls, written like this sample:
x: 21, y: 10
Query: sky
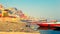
x: 36, y: 8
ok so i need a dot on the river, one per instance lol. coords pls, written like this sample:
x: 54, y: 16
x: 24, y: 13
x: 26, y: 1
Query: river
x: 49, y: 32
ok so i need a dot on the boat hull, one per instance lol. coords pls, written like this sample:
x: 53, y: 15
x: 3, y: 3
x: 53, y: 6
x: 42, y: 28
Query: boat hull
x: 49, y: 26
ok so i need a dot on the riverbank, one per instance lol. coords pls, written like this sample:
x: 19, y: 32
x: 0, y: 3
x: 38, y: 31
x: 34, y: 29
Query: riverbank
x: 16, y: 28
x: 17, y: 33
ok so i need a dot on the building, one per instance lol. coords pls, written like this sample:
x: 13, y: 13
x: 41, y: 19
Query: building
x: 43, y: 20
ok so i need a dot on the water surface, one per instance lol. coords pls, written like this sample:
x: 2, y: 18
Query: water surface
x: 49, y: 32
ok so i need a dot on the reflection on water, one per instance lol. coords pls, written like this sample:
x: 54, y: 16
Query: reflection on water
x: 49, y: 31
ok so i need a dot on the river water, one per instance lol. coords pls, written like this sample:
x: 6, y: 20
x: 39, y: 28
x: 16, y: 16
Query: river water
x: 49, y: 32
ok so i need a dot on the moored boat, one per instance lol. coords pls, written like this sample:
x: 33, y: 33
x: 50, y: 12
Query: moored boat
x: 50, y: 25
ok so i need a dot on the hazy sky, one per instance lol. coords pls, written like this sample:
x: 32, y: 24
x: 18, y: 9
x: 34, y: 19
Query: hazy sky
x: 36, y: 8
